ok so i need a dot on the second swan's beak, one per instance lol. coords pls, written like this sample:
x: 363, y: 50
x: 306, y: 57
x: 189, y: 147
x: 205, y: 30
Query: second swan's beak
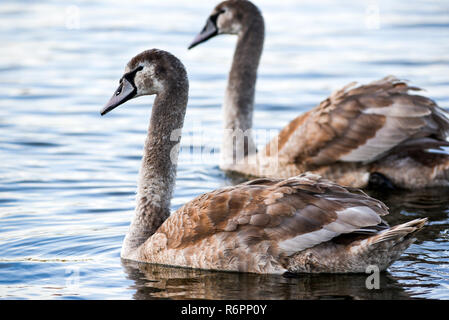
x: 124, y: 92
x: 210, y: 30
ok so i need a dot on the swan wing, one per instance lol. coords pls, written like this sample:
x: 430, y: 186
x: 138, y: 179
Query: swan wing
x: 363, y: 124
x: 289, y: 215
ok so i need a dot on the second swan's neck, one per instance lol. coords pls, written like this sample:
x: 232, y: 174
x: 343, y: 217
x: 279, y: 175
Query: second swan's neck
x: 239, y: 97
x: 158, y: 170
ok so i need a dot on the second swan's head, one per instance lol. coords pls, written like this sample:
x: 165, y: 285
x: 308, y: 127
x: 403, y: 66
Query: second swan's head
x: 229, y: 17
x: 150, y: 72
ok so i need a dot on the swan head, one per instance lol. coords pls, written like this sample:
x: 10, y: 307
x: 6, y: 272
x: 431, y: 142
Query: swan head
x: 148, y: 73
x: 228, y: 17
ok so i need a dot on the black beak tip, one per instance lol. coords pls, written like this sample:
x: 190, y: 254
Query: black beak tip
x: 103, y: 112
x: 192, y: 45
x: 106, y: 109
x: 198, y: 39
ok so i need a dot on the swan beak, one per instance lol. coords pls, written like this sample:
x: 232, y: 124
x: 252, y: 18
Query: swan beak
x: 124, y: 92
x: 210, y: 30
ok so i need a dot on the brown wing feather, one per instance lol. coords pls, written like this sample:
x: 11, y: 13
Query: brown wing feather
x: 278, y: 211
x: 363, y: 124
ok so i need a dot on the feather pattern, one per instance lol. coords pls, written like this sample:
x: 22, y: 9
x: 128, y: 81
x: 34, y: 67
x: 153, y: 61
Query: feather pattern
x: 257, y: 226
x: 364, y: 123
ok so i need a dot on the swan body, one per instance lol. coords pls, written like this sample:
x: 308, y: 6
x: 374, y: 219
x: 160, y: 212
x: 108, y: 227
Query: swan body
x: 358, y: 135
x: 301, y: 224
x: 296, y: 225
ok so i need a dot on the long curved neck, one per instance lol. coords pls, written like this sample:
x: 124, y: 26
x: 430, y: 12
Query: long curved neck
x: 239, y: 97
x: 158, y: 170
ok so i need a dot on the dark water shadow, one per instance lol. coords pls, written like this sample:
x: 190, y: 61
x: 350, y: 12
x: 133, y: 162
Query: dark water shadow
x: 423, y: 201
x: 162, y: 282
x: 405, y: 205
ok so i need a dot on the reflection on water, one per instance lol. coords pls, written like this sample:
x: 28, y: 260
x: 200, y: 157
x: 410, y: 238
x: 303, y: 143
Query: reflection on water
x: 68, y: 176
x: 155, y: 282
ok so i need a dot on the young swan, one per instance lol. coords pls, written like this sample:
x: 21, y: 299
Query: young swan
x: 372, y: 134
x: 302, y: 224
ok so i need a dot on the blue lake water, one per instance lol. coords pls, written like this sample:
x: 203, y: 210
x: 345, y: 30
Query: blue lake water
x: 68, y: 176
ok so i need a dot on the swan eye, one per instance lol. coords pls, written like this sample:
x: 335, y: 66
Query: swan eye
x: 130, y: 75
x: 214, y: 17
